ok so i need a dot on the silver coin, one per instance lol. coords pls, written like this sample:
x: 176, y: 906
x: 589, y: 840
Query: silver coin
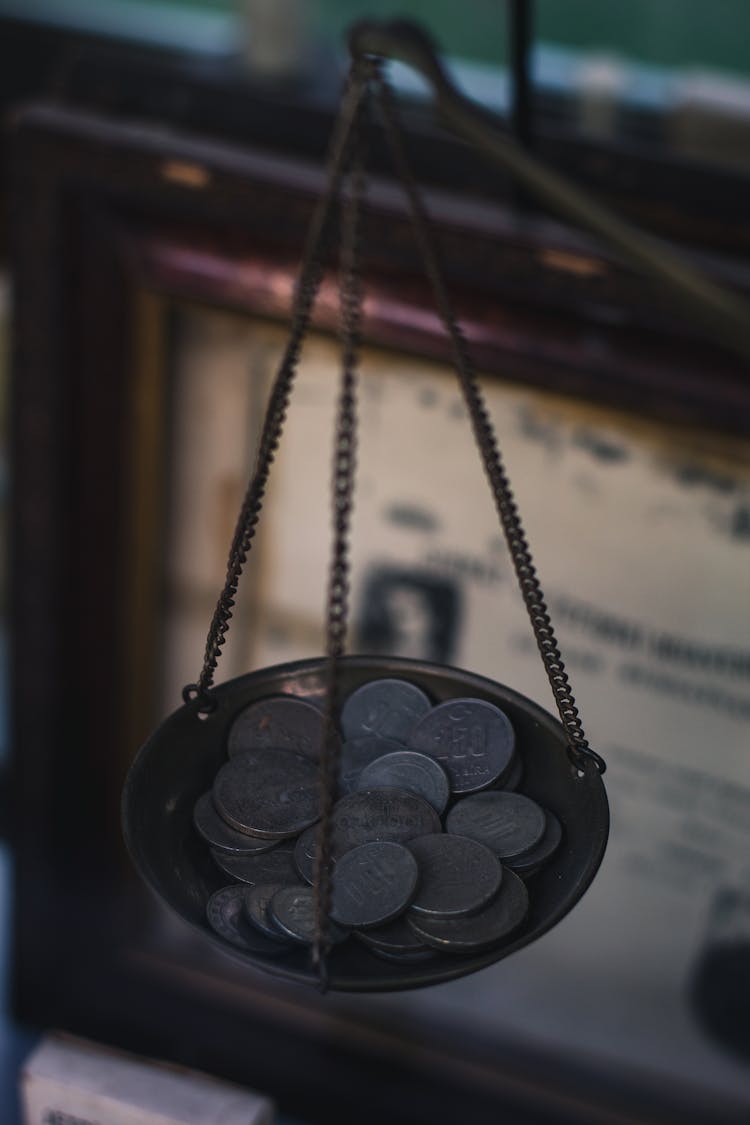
x: 356, y: 753
x: 372, y: 884
x: 416, y: 957
x: 406, y: 769
x: 293, y: 911
x: 275, y: 866
x: 513, y: 776
x: 381, y: 814
x: 473, y: 741
x: 272, y: 795
x: 304, y: 853
x: 216, y: 832
x: 397, y: 938
x: 357, y: 821
x: 280, y: 722
x: 225, y: 913
x: 405, y: 958
x: 491, y: 925
x: 305, y: 850
x: 509, y: 824
x: 457, y: 876
x: 387, y: 708
x: 256, y: 902
x: 530, y: 862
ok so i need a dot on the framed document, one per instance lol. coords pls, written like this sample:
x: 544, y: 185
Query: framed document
x: 153, y: 282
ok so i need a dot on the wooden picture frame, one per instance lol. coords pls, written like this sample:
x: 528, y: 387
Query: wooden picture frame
x: 114, y: 225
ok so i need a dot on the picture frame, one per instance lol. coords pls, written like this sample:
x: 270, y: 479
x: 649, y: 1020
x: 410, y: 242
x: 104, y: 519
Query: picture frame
x: 119, y: 228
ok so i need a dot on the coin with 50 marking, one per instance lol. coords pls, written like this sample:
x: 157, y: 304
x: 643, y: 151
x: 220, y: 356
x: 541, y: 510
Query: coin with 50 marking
x: 473, y: 741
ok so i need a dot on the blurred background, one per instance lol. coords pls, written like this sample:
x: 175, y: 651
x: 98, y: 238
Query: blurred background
x: 625, y: 430
x: 673, y: 74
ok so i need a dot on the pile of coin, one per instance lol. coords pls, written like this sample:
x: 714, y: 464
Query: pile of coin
x: 431, y: 840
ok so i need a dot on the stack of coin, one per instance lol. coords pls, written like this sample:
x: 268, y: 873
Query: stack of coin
x: 430, y: 840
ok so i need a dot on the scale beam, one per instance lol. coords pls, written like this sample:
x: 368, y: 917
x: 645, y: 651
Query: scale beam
x: 725, y: 315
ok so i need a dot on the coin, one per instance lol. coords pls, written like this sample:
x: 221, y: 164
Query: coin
x: 530, y: 862
x: 256, y: 902
x: 473, y: 741
x: 225, y: 914
x: 293, y: 911
x: 488, y: 927
x: 356, y: 753
x: 396, y: 937
x: 388, y: 708
x: 381, y: 814
x: 358, y: 818
x: 275, y: 866
x: 405, y: 958
x: 304, y: 853
x: 372, y: 884
x: 514, y: 774
x: 305, y: 850
x: 508, y: 823
x: 406, y: 769
x: 457, y: 876
x: 395, y: 945
x: 272, y: 795
x: 281, y: 722
x: 216, y: 832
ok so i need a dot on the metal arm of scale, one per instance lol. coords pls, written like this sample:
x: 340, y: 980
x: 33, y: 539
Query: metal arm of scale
x: 721, y: 312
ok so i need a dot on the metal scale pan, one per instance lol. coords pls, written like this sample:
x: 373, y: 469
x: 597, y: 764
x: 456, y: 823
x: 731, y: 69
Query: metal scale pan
x: 180, y: 760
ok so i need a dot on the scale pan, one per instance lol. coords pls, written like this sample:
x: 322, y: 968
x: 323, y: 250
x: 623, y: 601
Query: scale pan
x: 180, y: 760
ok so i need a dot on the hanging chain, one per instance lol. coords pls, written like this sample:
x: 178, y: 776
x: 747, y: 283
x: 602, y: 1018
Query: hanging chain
x: 484, y: 434
x: 337, y: 612
x: 306, y: 290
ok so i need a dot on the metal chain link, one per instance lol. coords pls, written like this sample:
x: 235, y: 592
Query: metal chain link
x: 484, y: 434
x: 337, y: 614
x: 308, y: 284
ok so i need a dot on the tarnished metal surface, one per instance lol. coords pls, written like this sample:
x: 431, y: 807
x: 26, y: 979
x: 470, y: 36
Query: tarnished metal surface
x: 180, y: 760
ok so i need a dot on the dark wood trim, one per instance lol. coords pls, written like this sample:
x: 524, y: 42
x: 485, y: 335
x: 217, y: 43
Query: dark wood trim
x: 673, y: 195
x: 543, y: 304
